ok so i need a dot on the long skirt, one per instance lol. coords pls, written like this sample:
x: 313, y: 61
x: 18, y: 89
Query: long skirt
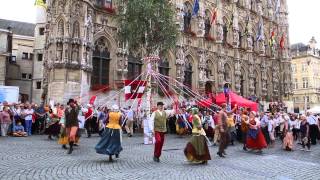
x: 209, y: 132
x: 288, y: 141
x: 197, y: 149
x: 258, y: 142
x: 53, y: 129
x: 110, y: 143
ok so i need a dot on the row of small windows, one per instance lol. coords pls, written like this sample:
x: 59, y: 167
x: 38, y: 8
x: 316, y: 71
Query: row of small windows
x: 28, y: 56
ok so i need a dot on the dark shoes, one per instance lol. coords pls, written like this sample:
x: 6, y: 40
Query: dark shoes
x: 117, y: 155
x: 50, y: 137
x: 64, y: 146
x: 220, y: 155
x: 70, y: 150
x: 110, y: 158
x: 156, y: 159
x: 245, y: 148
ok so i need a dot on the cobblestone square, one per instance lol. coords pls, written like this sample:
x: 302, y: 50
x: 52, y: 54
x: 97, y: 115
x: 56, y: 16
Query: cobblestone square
x: 38, y: 158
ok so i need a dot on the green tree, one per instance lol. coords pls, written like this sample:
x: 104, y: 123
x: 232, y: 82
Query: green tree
x: 148, y: 25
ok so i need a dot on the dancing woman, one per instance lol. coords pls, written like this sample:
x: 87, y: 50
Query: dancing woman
x: 255, y: 138
x: 110, y: 142
x: 197, y: 150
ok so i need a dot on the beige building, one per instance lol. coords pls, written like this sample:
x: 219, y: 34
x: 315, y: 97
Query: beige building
x: 82, y: 50
x: 19, y: 66
x: 306, y: 75
x: 5, y: 52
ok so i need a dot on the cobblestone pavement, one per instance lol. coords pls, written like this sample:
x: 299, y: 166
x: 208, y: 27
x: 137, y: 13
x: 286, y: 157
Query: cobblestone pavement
x: 38, y: 158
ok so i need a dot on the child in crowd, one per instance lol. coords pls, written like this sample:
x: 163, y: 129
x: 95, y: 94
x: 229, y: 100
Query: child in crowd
x: 19, y: 130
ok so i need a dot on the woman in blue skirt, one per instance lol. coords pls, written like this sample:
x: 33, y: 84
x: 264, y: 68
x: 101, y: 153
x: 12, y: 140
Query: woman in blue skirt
x: 110, y: 142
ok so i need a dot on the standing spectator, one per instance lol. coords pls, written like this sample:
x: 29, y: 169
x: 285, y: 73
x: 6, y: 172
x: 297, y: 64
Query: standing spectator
x: 28, y: 112
x: 271, y: 130
x: 314, y: 130
x: 5, y: 120
x: 264, y: 126
x: 304, y: 130
x: 129, y: 122
x: 88, y: 120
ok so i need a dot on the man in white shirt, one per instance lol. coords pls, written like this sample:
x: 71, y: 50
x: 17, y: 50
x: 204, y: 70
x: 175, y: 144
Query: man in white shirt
x: 28, y: 119
x: 159, y: 125
x: 130, y: 120
x: 314, y: 129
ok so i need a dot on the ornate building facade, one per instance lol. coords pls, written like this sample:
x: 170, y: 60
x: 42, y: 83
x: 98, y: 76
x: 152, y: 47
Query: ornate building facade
x: 82, y: 51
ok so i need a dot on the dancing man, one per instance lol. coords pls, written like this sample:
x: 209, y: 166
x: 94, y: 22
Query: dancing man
x: 71, y: 122
x: 159, y: 121
x: 223, y: 127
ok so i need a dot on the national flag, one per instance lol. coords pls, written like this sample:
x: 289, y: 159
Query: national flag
x: 40, y: 3
x: 272, y: 40
x: 134, y: 89
x: 260, y: 36
x: 196, y: 8
x: 92, y: 100
x: 282, y: 41
x: 214, y: 16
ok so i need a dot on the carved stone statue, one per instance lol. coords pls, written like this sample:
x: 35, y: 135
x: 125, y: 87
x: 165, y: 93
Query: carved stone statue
x: 75, y: 53
x: 219, y: 32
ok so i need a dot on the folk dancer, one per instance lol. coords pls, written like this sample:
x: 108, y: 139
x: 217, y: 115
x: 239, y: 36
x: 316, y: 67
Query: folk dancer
x: 197, y: 150
x: 223, y: 131
x: 110, y: 142
x: 255, y: 138
x: 288, y: 136
x: 159, y: 121
x: 244, y: 128
x: 71, y: 122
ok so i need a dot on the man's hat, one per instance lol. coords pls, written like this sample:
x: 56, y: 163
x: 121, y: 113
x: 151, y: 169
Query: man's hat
x: 160, y: 104
x: 71, y: 101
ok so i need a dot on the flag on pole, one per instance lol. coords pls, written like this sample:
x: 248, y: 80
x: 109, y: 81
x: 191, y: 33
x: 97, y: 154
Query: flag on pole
x: 260, y: 36
x: 196, y: 8
x: 92, y: 100
x: 134, y: 89
x: 282, y: 41
x: 214, y: 16
x: 40, y: 3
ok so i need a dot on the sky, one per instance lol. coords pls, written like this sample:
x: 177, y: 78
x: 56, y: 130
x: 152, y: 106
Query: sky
x: 302, y: 16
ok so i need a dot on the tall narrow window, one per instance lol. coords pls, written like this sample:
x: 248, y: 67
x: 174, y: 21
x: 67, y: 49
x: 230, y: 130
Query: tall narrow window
x: 100, y: 64
x: 60, y: 31
x: 134, y: 67
x: 76, y: 30
x: 164, y: 70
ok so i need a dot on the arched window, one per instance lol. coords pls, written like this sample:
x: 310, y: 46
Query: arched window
x: 134, y: 67
x: 256, y: 84
x: 76, y: 30
x: 100, y: 63
x: 227, y: 73
x: 188, y: 75
x: 242, y: 83
x: 207, y: 24
x: 187, y: 17
x: 60, y: 31
x: 164, y: 70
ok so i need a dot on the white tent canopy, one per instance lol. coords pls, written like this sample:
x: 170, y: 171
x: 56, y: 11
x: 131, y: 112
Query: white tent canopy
x: 315, y: 110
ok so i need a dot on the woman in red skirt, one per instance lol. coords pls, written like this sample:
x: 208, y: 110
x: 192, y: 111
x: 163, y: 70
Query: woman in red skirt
x: 255, y: 138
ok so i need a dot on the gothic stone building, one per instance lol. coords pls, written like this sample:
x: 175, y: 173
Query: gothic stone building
x: 82, y: 51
